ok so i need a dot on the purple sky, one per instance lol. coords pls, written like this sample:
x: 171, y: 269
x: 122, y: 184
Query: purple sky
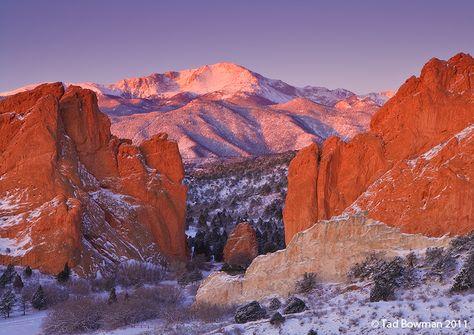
x: 359, y: 45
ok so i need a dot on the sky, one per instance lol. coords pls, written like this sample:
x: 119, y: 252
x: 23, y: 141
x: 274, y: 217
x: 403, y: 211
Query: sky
x: 362, y: 46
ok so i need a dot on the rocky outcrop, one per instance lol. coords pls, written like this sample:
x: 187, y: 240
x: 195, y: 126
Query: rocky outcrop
x: 72, y: 192
x: 431, y: 194
x: 377, y: 166
x: 301, y: 200
x: 241, y: 246
x: 328, y: 248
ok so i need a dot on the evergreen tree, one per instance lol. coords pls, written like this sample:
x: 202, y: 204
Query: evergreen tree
x: 24, y: 303
x: 39, y: 300
x: 202, y: 221
x: 18, y: 283
x: 7, y: 276
x: 6, y: 303
x: 28, y: 272
x: 64, y: 275
x: 112, y: 296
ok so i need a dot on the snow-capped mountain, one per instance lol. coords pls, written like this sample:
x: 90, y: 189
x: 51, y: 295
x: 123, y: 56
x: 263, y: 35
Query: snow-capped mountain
x: 226, y: 110
x: 222, y: 80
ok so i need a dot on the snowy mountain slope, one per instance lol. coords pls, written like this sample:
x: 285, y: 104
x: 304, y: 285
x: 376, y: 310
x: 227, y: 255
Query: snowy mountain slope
x: 216, y: 129
x: 226, y: 110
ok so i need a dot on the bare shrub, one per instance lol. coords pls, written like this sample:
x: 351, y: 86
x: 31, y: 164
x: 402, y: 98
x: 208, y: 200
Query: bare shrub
x: 128, y: 312
x: 212, y: 313
x: 366, y: 269
x: 188, y: 277
x: 74, y: 316
x: 176, y: 314
x: 85, y: 314
x: 79, y: 286
x: 193, y: 288
x: 55, y: 294
x: 198, y: 262
x: 166, y: 294
x: 133, y: 273
x: 308, y: 283
x: 143, y: 304
x: 99, y: 284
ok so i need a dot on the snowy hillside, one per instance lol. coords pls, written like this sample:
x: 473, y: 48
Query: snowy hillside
x: 223, y: 194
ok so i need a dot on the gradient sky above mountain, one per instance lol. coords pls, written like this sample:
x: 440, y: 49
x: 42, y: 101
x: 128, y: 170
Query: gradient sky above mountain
x: 359, y: 45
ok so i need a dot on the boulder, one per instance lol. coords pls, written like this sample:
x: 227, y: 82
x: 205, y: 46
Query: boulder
x: 277, y: 319
x: 275, y: 303
x: 250, y: 312
x: 294, y: 305
x: 241, y: 246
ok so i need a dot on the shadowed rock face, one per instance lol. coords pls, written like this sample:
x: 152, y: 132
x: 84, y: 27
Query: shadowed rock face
x: 72, y: 192
x: 413, y: 169
x: 328, y: 248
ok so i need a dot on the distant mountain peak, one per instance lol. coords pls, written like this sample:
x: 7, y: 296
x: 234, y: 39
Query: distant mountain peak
x: 226, y: 110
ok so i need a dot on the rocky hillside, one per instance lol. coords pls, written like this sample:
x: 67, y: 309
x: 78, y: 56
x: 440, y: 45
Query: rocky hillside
x: 225, y: 110
x: 412, y: 169
x: 72, y: 192
x: 224, y: 193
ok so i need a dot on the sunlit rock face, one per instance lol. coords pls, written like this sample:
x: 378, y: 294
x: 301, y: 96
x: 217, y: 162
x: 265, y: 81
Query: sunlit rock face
x: 241, y: 246
x: 72, y: 192
x: 412, y: 170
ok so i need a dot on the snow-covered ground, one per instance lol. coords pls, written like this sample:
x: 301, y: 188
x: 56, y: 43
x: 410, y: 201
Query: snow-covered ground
x: 428, y: 309
x: 423, y: 303
x: 22, y: 324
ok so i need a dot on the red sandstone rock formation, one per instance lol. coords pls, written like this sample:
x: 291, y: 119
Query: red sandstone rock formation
x: 241, y: 247
x: 301, y: 201
x: 377, y: 172
x: 72, y: 192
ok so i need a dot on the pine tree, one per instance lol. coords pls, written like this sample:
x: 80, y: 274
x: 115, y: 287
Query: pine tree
x: 6, y: 303
x: 112, y: 296
x: 63, y: 276
x: 39, y: 301
x: 18, y: 283
x: 28, y: 272
x: 7, y: 275
x: 24, y: 303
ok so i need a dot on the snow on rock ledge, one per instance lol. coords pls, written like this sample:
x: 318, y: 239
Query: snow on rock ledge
x: 328, y: 248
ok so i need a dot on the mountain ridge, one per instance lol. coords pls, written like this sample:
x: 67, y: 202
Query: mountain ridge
x: 225, y: 110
